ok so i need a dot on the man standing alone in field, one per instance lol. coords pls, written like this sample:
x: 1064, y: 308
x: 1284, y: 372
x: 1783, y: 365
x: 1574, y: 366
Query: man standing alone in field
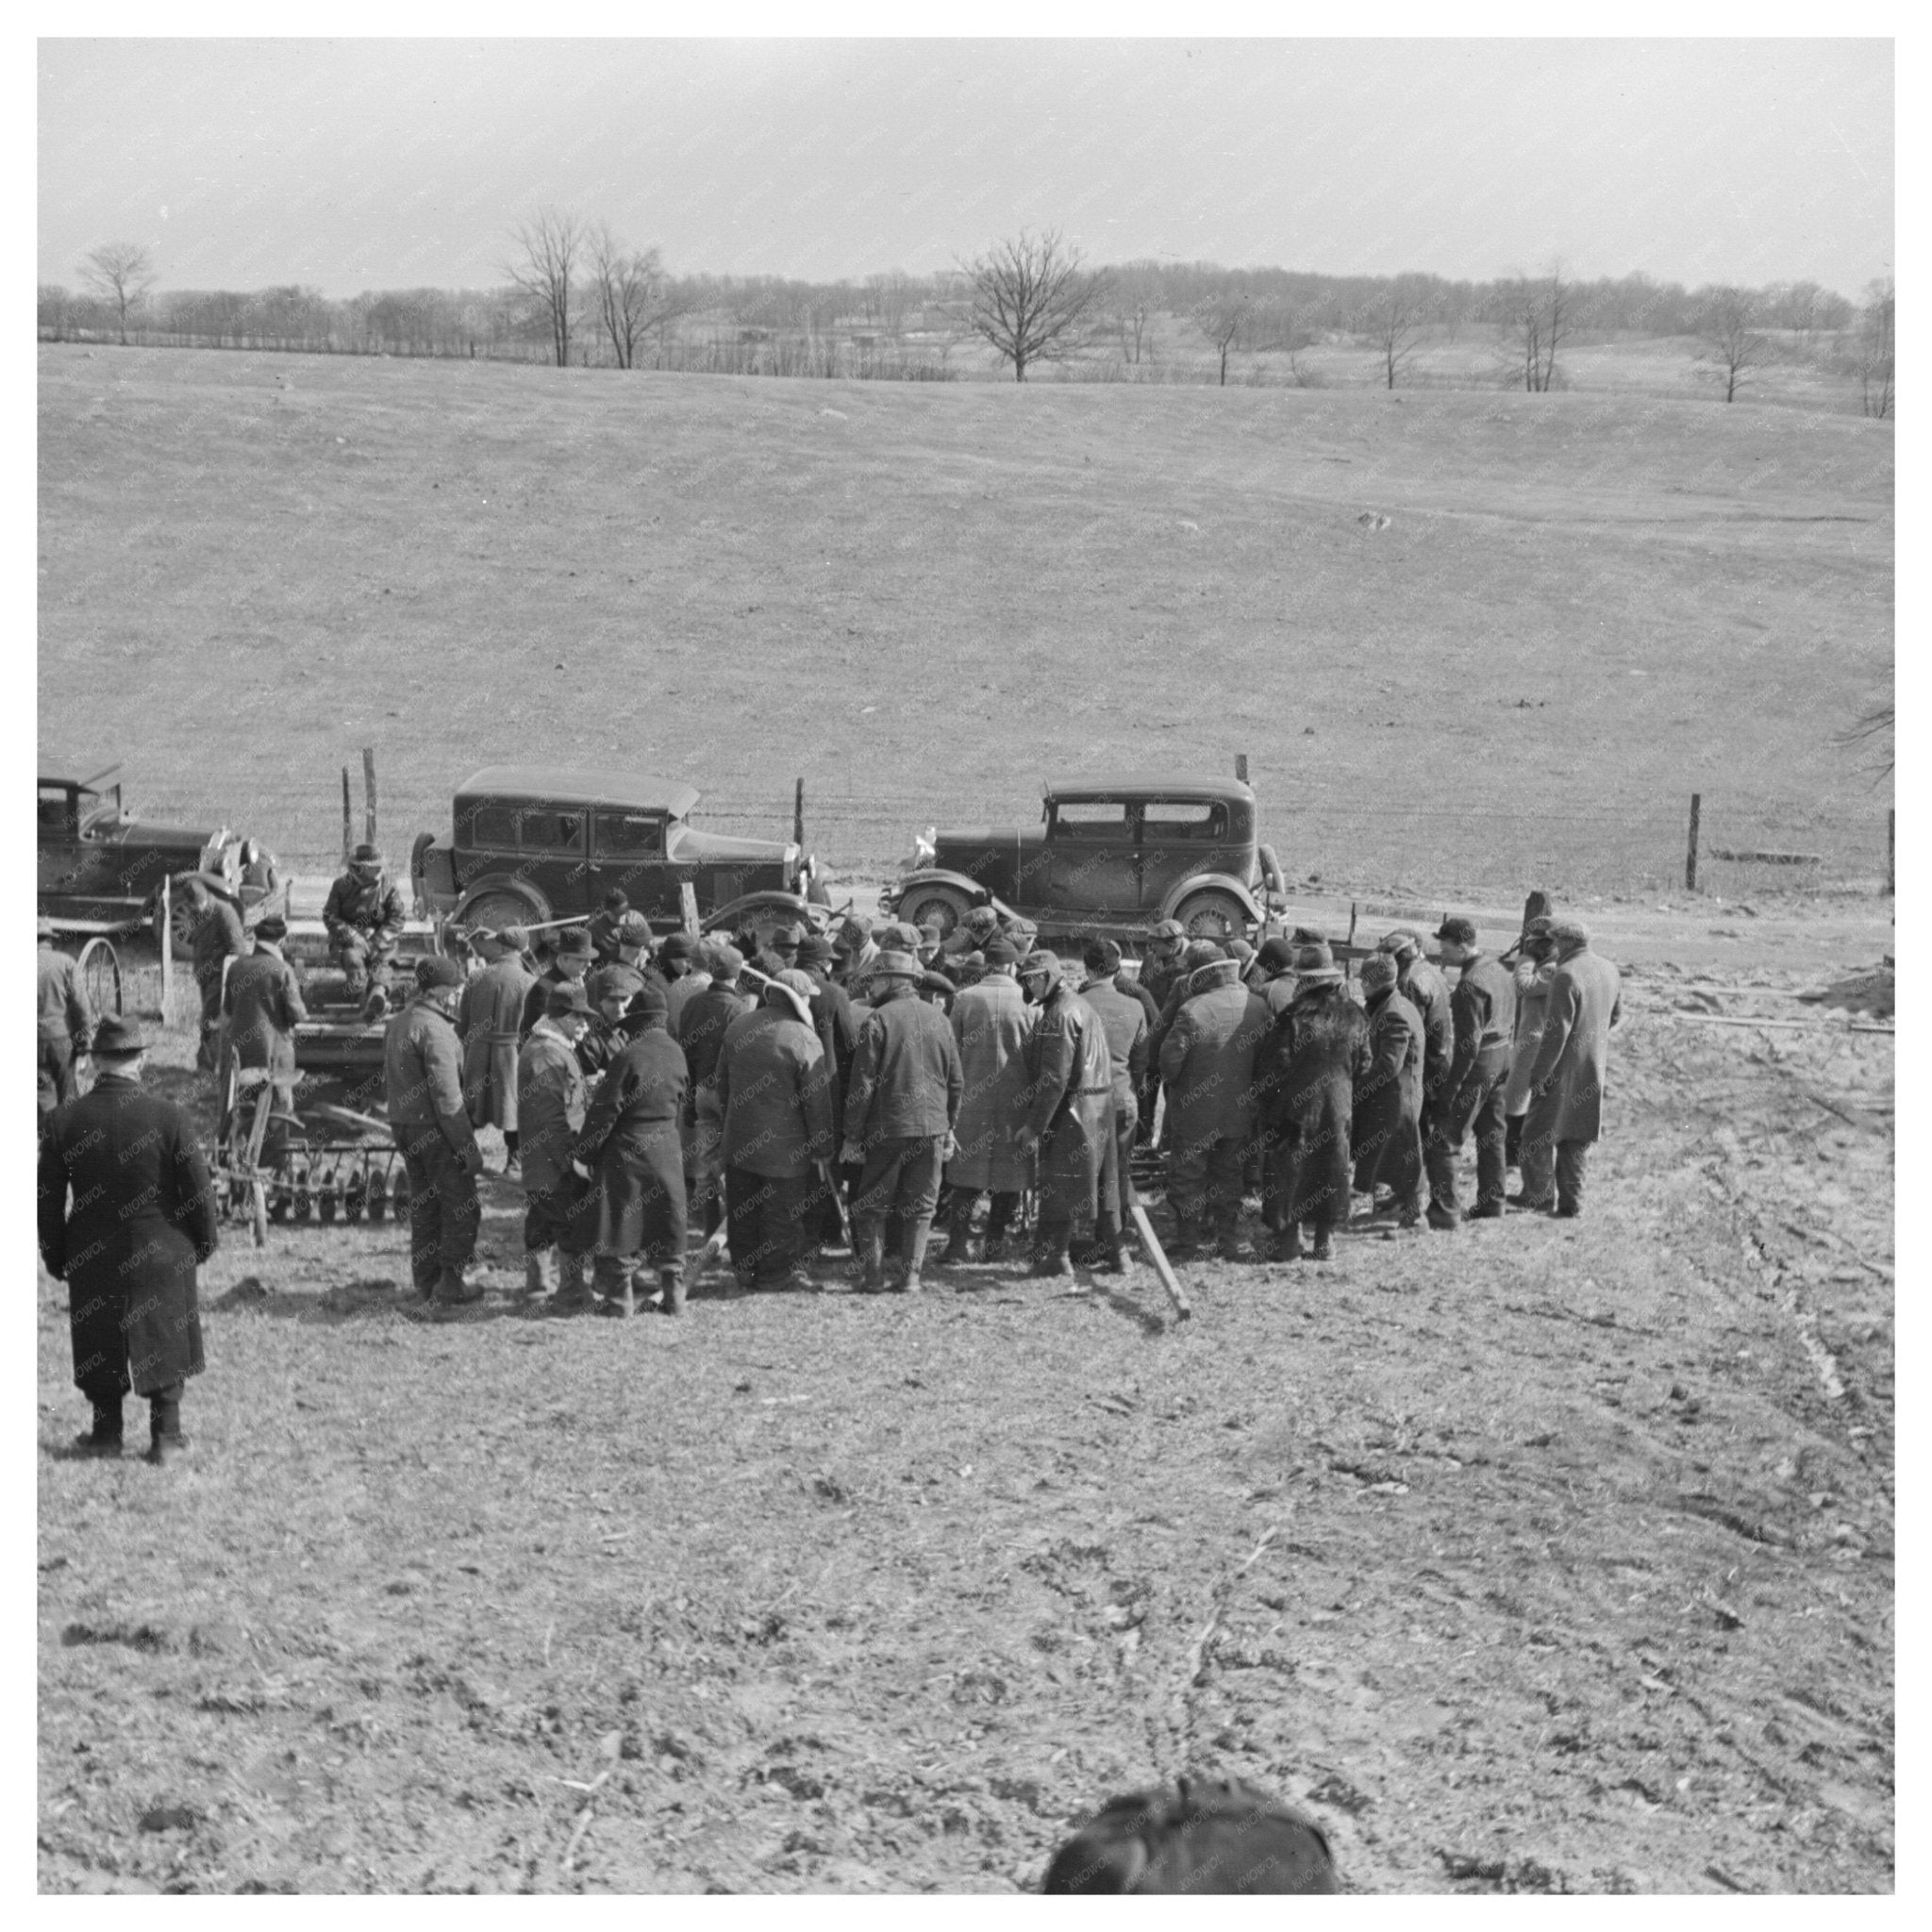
x: 364, y: 917
x: 422, y: 1067
x: 66, y: 1022
x: 127, y: 1214
x: 1483, y: 1006
x: 901, y: 1107
x: 490, y: 1018
x: 1572, y: 1062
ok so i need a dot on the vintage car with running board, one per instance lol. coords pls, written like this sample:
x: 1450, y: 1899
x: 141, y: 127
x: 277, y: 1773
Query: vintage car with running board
x: 1111, y: 856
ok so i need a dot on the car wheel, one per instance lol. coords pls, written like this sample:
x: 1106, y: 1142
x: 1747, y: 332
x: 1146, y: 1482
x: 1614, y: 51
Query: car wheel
x: 497, y: 906
x: 1212, y: 915
x: 945, y: 905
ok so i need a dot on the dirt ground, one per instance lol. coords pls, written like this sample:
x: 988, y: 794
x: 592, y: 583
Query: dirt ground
x: 1544, y: 1557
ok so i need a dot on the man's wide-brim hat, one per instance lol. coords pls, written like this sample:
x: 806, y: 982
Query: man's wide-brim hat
x: 576, y: 945
x: 119, y: 1039
x: 791, y: 989
x: 814, y: 949
x: 1315, y: 964
x: 633, y: 929
x: 1378, y: 970
x: 896, y: 966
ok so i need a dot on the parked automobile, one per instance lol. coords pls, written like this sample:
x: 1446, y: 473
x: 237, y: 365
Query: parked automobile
x: 530, y: 844
x: 101, y: 867
x: 1109, y: 855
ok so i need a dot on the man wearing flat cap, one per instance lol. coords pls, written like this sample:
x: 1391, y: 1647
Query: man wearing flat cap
x: 569, y: 964
x: 685, y: 977
x: 1483, y: 1010
x: 125, y: 1215
x: 701, y: 1030
x: 631, y: 1147
x: 990, y: 1022
x: 1422, y: 985
x: 1307, y: 1072
x: 1275, y: 974
x: 1572, y: 1065
x: 364, y: 917
x: 489, y: 1019
x: 66, y: 1022
x: 423, y: 1068
x: 901, y: 1107
x: 1069, y: 1117
x: 613, y: 992
x: 560, y: 1207
x: 1387, y: 1130
x: 971, y: 935
x: 774, y: 1088
x: 261, y: 1007
x: 1123, y: 1019
x: 1208, y: 1067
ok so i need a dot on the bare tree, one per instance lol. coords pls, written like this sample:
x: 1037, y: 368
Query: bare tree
x: 883, y: 300
x: 1876, y: 723
x: 1222, y: 319
x: 1030, y: 298
x: 121, y: 273
x: 1876, y: 352
x: 1133, y: 323
x: 633, y: 295
x: 549, y: 248
x: 1536, y: 320
x: 1396, y: 323
x: 1732, y: 344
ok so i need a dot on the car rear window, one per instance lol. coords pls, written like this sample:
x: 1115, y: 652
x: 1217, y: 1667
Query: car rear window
x: 1163, y: 819
x: 547, y: 829
x: 628, y: 833
x: 1083, y: 818
x: 53, y: 812
x: 493, y: 826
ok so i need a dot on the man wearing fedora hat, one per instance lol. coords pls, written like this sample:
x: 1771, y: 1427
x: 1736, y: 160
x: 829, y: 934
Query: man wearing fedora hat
x: 1419, y: 981
x: 1386, y: 1127
x: 215, y: 924
x: 1572, y: 1065
x: 630, y: 1138
x: 1535, y: 973
x: 66, y: 1021
x: 560, y: 1208
x: 1208, y: 1067
x: 774, y: 1088
x: 700, y: 1029
x: 127, y: 1214
x: 423, y: 1068
x: 490, y: 1018
x: 1068, y: 1120
x: 901, y: 1105
x: 364, y: 917
x: 1307, y: 1072
x: 1483, y: 1010
x: 570, y: 963
x: 262, y: 1006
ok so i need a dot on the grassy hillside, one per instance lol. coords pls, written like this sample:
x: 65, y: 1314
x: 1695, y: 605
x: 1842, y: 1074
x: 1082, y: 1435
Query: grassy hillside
x: 923, y: 597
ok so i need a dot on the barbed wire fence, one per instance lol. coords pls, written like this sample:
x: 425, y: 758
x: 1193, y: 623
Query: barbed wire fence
x: 1420, y: 848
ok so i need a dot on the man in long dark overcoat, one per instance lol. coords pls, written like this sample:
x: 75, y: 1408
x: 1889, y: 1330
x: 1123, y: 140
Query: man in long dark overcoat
x: 127, y: 1214
x: 990, y: 1022
x: 422, y: 1062
x: 1069, y: 1115
x: 560, y: 1207
x: 1208, y: 1067
x: 66, y: 1022
x: 1305, y: 1075
x: 901, y: 1108
x: 261, y: 1007
x: 630, y: 1145
x: 490, y: 1018
x: 837, y: 1025
x: 1388, y: 1104
x: 1420, y: 981
x: 1571, y: 1064
x: 700, y: 1029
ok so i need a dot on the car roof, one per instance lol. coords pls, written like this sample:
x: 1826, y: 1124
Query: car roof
x: 1147, y: 785
x: 583, y: 785
x: 83, y: 773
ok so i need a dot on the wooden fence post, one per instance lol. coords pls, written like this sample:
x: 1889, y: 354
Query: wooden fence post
x: 167, y: 949
x: 798, y: 815
x: 348, y: 822
x: 1892, y: 853
x: 369, y: 792
x: 1240, y: 767
x: 1690, y: 851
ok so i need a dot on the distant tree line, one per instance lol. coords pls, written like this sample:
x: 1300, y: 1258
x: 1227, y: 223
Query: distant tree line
x: 574, y: 292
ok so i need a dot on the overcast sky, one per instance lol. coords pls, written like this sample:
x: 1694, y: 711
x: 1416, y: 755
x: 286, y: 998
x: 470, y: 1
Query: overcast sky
x: 368, y: 164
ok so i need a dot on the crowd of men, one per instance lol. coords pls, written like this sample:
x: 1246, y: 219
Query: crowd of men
x: 896, y: 1078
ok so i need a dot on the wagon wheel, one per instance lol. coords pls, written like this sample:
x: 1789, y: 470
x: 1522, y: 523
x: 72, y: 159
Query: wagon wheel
x: 100, y: 974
